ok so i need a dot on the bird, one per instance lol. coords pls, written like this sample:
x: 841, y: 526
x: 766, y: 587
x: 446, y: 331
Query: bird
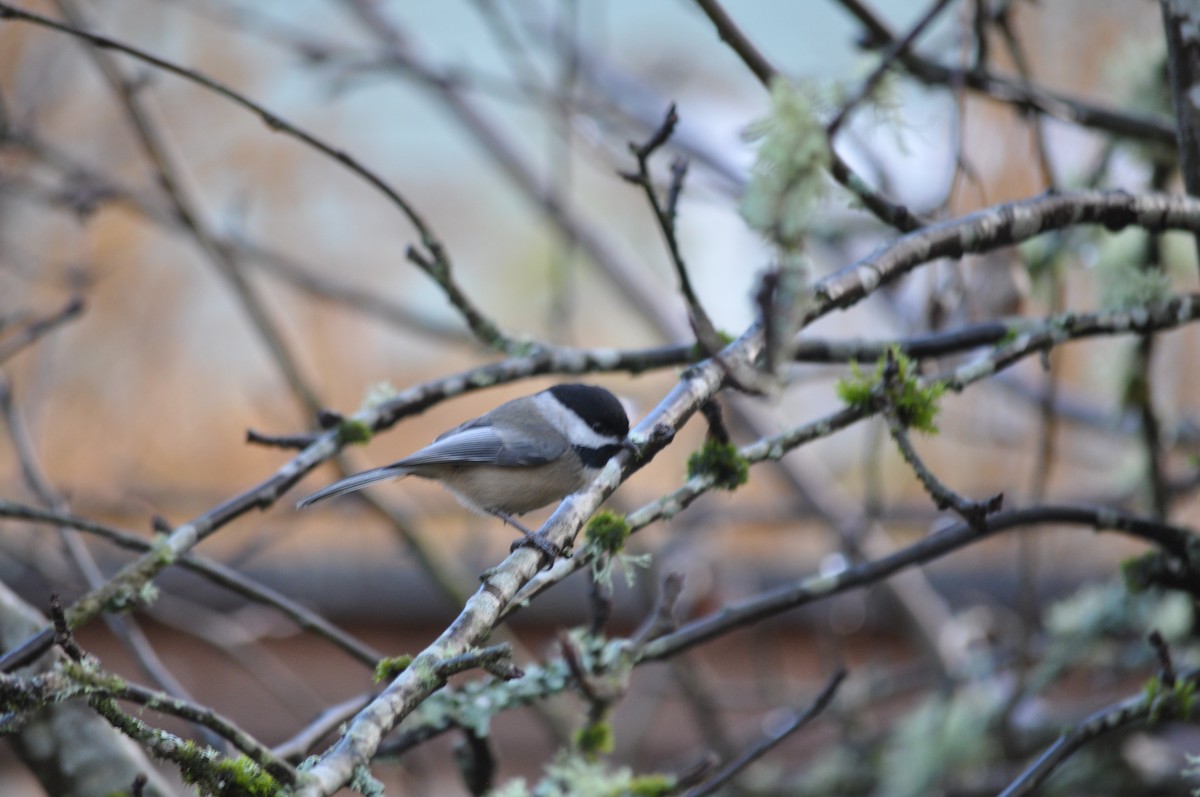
x: 517, y: 457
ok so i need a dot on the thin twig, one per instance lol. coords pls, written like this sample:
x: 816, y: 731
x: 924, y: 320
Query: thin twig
x: 886, y: 60
x: 1181, y: 25
x: 974, y: 512
x: 945, y: 343
x: 294, y: 442
x: 436, y: 262
x: 732, y: 35
x: 1139, y: 392
x: 1101, y: 723
x: 887, y: 211
x: 661, y: 619
x: 1175, y: 540
x: 1166, y: 668
x: 123, y: 627
x: 1003, y: 21
x: 214, y: 572
x: 153, y: 144
x: 62, y: 632
x: 665, y: 217
x: 100, y: 686
x: 1025, y: 97
x: 761, y: 748
x: 485, y: 329
x: 34, y: 330
x: 329, y: 720
x: 600, y: 601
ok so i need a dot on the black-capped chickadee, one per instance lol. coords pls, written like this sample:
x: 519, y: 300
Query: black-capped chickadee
x: 522, y: 455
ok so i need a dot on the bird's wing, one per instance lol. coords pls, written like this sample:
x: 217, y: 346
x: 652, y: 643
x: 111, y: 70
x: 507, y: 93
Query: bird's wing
x: 469, y: 443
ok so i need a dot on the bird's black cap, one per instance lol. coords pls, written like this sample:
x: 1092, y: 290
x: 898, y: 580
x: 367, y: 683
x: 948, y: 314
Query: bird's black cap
x: 597, y: 408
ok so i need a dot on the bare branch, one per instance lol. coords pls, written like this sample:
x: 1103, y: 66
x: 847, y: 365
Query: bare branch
x: 974, y: 512
x: 1018, y: 93
x: 1173, y: 539
x: 889, y: 212
x: 34, y: 330
x: 186, y: 210
x: 886, y: 61
x: 271, y: 120
x: 214, y: 572
x: 814, y: 709
x: 1003, y: 225
x: 732, y: 35
x: 665, y: 216
x: 1103, y: 722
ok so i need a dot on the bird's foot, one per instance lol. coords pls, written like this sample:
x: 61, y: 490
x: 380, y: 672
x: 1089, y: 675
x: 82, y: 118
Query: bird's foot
x: 540, y: 541
x: 534, y: 540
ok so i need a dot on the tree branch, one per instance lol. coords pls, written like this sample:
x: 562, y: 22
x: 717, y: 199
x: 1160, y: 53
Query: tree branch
x: 34, y: 330
x: 1181, y: 23
x: 1023, y: 95
x: 891, y: 213
x: 1138, y: 708
x: 814, y: 709
x: 1175, y: 540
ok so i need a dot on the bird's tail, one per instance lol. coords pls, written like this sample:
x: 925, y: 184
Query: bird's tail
x: 352, y: 483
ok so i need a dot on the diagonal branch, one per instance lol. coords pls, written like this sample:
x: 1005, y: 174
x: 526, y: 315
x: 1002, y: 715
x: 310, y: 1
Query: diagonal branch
x: 269, y: 118
x: 886, y: 62
x: 31, y: 332
x: 215, y: 572
x: 741, y: 44
x: 1139, y: 708
x: 1001, y: 225
x: 186, y: 209
x: 814, y: 709
x: 887, y: 211
x: 973, y: 512
x: 435, y: 253
x: 1175, y: 540
x: 1021, y: 94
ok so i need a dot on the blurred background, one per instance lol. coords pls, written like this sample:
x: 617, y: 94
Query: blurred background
x: 506, y: 124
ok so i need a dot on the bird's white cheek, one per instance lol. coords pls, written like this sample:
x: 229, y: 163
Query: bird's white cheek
x: 570, y: 424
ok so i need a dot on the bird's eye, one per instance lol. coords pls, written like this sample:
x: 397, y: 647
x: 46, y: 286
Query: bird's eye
x: 597, y: 427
